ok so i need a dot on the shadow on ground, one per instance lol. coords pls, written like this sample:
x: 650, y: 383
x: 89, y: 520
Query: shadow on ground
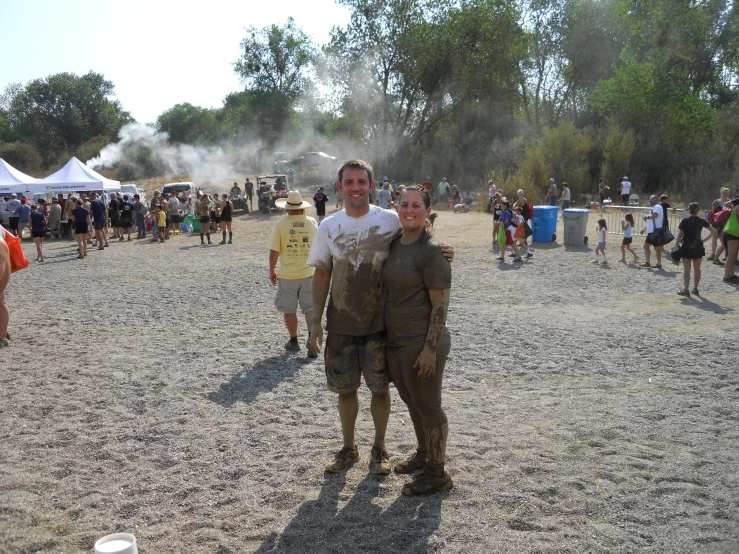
x: 262, y: 377
x: 361, y: 525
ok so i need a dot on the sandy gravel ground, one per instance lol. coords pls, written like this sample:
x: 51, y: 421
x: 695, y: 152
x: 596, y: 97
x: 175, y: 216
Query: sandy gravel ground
x: 590, y: 409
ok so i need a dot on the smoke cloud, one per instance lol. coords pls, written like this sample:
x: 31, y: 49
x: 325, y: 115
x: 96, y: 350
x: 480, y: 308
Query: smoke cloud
x: 142, y: 152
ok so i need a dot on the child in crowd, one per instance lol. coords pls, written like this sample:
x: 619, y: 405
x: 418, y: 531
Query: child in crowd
x: 161, y: 222
x: 152, y: 219
x: 601, y: 248
x: 627, y: 226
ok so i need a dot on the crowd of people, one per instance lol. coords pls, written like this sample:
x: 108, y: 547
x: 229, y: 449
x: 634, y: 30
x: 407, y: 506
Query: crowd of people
x: 379, y: 276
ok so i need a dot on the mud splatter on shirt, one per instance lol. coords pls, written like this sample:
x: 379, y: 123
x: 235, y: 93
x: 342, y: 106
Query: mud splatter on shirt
x: 354, y: 249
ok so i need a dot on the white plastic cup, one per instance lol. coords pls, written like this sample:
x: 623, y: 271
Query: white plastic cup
x: 117, y: 543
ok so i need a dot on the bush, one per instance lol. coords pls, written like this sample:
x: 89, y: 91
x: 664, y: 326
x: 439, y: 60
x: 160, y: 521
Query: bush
x: 21, y: 156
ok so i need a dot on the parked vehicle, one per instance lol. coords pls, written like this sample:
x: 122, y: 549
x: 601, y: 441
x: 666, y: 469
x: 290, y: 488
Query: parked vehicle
x: 184, y: 188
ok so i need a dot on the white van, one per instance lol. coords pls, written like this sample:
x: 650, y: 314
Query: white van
x: 186, y: 188
x: 132, y: 189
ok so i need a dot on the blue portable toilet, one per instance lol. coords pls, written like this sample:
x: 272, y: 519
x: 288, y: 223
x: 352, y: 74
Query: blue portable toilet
x: 544, y: 223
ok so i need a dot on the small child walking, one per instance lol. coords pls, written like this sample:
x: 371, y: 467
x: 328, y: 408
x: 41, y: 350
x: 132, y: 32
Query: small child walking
x: 601, y: 248
x: 627, y: 226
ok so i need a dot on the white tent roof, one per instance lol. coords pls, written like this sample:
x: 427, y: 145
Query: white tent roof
x: 75, y: 176
x: 12, y: 180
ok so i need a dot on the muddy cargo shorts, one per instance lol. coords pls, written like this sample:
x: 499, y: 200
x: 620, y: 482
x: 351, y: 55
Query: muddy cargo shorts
x: 346, y: 357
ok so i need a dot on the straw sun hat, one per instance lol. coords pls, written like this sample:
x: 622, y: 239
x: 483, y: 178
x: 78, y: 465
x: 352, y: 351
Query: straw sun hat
x: 294, y: 201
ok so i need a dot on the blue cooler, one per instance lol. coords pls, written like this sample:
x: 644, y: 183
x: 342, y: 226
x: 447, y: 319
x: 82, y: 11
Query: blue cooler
x: 544, y: 223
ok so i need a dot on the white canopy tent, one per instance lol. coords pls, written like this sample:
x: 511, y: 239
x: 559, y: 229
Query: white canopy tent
x: 12, y: 180
x: 73, y: 177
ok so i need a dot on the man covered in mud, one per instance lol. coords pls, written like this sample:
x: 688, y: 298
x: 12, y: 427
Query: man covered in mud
x: 349, y: 251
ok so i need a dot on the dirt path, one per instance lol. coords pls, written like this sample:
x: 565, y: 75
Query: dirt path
x: 146, y: 390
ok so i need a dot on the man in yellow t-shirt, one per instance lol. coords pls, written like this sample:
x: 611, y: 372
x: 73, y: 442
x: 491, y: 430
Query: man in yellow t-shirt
x: 290, y: 242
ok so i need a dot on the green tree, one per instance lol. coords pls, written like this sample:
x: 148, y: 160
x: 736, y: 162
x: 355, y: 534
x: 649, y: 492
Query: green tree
x: 275, y: 67
x: 188, y: 124
x: 63, y: 111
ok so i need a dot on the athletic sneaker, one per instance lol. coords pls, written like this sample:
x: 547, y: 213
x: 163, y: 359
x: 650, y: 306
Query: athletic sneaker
x: 696, y: 292
x: 426, y: 484
x: 718, y: 262
x: 711, y: 258
x: 380, y: 461
x: 312, y: 353
x: 658, y: 266
x: 292, y: 346
x: 529, y: 255
x: 343, y: 460
x: 410, y: 464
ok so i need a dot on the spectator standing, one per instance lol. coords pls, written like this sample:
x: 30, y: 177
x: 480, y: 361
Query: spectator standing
x: 565, y: 197
x: 82, y: 225
x: 249, y: 188
x: 174, y: 212
x: 10, y: 207
x: 625, y: 191
x: 523, y: 203
x: 290, y: 244
x: 731, y: 242
x: 290, y: 176
x: 226, y: 219
x: 552, y: 194
x: 429, y: 185
x: 384, y: 198
x: 320, y: 199
x: 654, y: 220
x: 99, y: 217
x: 443, y: 189
x: 140, y: 209
x: 55, y: 219
x: 126, y: 217
x: 691, y: 247
x: 37, y: 223
x: 716, y: 208
x: 204, y: 206
x: 114, y: 214
x: 492, y: 190
x: 22, y: 211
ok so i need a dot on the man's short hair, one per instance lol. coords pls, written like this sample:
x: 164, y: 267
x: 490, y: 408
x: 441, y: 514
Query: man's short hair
x: 663, y: 197
x: 356, y: 164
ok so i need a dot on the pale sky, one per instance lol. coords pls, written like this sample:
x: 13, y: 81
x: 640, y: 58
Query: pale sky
x: 158, y: 53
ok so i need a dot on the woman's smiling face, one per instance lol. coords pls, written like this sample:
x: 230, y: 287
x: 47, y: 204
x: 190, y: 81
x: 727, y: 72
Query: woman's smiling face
x: 412, y: 211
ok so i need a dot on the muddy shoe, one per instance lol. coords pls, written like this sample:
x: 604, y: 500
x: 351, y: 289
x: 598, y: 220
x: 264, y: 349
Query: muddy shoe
x: 311, y: 352
x: 380, y: 461
x: 427, y: 484
x: 411, y: 464
x: 292, y: 346
x: 343, y: 460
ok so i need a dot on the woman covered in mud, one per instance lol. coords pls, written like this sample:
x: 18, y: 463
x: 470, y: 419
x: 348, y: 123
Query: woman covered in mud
x: 417, y: 278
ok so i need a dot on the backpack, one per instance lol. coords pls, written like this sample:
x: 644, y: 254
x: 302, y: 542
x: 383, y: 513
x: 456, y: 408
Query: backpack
x: 720, y: 218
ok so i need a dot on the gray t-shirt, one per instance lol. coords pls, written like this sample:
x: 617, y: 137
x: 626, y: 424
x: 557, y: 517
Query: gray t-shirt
x: 354, y: 249
x: 409, y: 273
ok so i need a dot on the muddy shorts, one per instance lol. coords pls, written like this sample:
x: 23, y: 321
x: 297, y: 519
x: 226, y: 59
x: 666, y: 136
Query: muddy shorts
x: 291, y: 292
x: 347, y: 357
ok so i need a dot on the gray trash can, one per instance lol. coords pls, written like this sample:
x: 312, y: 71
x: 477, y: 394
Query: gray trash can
x: 576, y: 223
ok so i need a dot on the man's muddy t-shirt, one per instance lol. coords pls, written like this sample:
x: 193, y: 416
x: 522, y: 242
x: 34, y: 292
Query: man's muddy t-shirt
x: 409, y: 273
x: 354, y: 249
